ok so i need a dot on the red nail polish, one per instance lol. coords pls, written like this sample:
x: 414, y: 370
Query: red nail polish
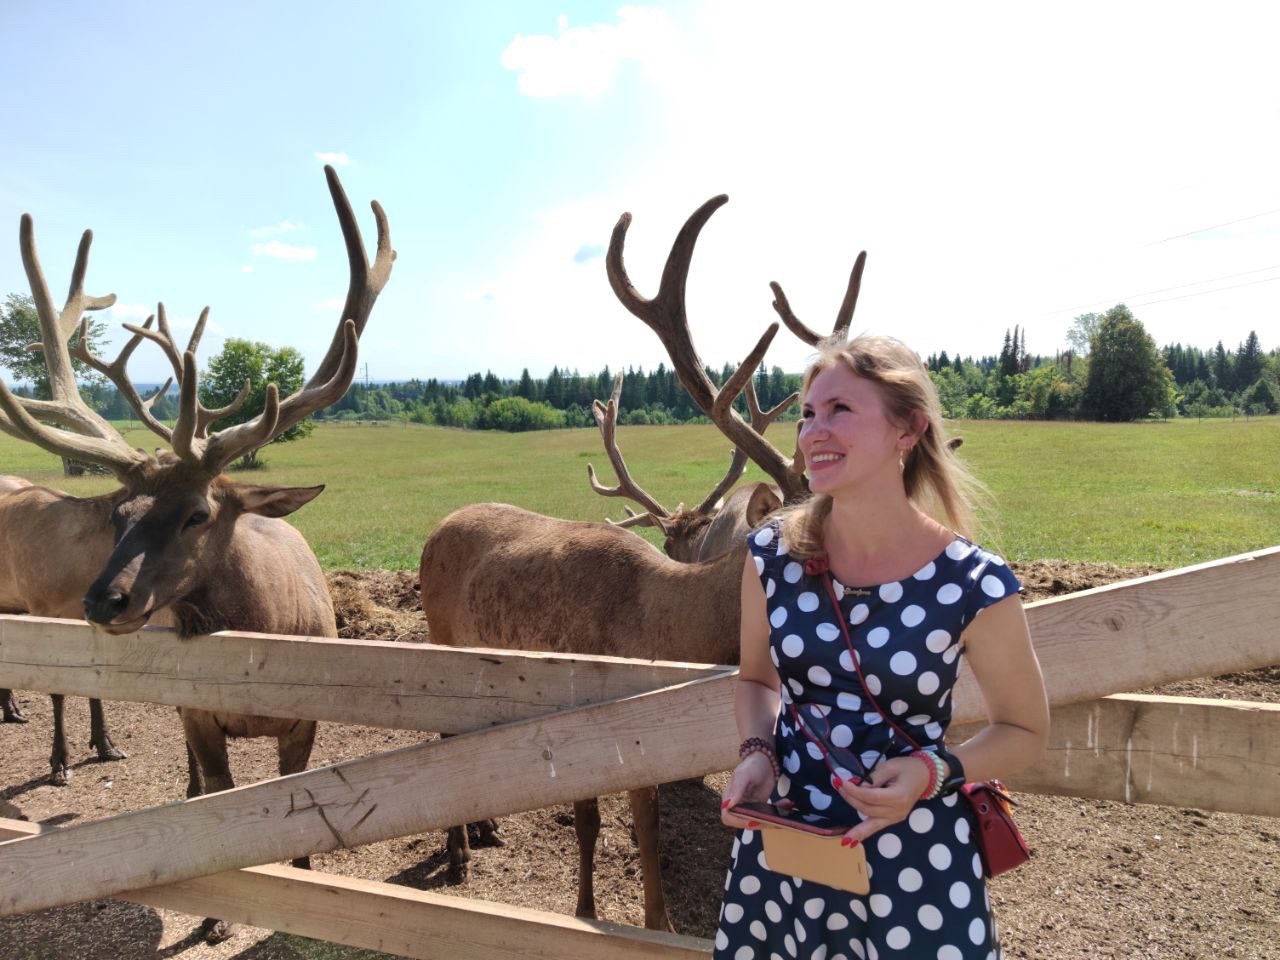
x: 752, y: 824
x: 725, y: 804
x: 846, y: 842
x: 854, y: 843
x: 836, y: 782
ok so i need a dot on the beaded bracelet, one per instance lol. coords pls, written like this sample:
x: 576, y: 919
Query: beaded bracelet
x: 757, y: 745
x: 935, y: 775
x: 939, y: 771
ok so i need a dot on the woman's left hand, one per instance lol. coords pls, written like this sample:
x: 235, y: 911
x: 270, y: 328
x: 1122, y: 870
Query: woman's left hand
x: 895, y: 787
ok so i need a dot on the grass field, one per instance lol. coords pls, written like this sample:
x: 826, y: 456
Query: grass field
x: 1162, y: 493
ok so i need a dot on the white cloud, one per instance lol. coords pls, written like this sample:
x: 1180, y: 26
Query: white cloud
x: 585, y: 61
x: 284, y: 226
x: 283, y: 251
x: 335, y: 159
x: 247, y: 268
x: 131, y: 311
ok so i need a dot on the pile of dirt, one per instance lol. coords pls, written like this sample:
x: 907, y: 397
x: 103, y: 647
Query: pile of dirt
x: 1106, y: 879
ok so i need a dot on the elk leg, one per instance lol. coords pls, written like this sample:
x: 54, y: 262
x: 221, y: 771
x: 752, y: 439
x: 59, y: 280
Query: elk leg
x: 208, y: 743
x: 459, y: 854
x: 9, y: 706
x: 207, y: 760
x: 586, y: 824
x: 61, y: 773
x: 458, y: 844
x: 644, y: 814
x: 195, y: 782
x: 487, y: 833
x: 294, y: 750
x: 99, y: 738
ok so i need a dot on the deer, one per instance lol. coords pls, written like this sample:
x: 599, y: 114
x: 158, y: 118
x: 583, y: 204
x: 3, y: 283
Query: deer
x: 180, y: 541
x: 44, y: 575
x: 642, y: 613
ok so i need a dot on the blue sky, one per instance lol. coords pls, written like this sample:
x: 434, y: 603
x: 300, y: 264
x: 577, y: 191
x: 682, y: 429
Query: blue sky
x: 1002, y: 164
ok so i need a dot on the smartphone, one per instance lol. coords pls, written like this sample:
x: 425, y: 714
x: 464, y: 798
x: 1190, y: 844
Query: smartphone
x: 778, y: 817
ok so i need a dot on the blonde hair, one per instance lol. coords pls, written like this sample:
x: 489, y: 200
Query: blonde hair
x: 934, y: 479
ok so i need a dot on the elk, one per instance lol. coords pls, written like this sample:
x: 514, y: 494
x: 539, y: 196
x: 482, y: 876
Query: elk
x: 494, y: 575
x: 44, y: 574
x: 179, y: 540
x: 637, y: 577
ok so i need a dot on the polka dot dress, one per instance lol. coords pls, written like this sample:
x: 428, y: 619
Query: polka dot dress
x: 928, y: 900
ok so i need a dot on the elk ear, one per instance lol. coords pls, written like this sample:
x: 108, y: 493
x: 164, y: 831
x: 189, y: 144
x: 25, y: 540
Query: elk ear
x: 762, y: 503
x: 274, y: 501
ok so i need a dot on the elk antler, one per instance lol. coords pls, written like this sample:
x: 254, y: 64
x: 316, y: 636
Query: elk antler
x: 117, y: 374
x: 88, y: 436
x: 665, y: 315
x: 331, y: 379
x: 843, y: 317
x: 164, y: 337
x: 607, y: 419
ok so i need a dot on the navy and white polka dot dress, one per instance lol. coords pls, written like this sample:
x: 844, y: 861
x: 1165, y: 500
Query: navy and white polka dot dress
x: 928, y: 899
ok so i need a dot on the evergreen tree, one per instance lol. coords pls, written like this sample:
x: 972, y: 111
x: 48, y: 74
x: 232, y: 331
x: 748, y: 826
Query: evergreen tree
x: 1250, y: 361
x: 526, y: 388
x: 1221, y: 365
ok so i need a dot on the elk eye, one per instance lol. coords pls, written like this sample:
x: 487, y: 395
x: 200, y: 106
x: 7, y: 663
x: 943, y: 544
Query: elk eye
x: 196, y: 519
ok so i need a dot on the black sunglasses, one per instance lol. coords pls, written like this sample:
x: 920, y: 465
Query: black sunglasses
x: 841, y: 761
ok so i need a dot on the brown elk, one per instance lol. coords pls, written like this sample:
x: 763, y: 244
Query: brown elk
x: 38, y: 577
x: 179, y: 539
x: 494, y: 575
x: 637, y: 577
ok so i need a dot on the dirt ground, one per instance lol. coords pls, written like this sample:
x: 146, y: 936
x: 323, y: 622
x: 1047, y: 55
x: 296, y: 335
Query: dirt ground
x: 1106, y: 879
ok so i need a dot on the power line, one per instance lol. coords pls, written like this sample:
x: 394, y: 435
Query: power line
x: 1201, y: 293
x: 1216, y: 226
x: 1180, y: 286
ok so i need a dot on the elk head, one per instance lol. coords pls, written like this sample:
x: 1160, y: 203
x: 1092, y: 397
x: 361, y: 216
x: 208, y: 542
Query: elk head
x: 175, y: 516
x: 686, y: 531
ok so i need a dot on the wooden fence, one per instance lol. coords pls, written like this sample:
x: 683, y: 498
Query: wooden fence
x: 543, y: 729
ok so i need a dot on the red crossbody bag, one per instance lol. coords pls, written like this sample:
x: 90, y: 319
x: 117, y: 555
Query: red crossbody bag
x: 1000, y: 843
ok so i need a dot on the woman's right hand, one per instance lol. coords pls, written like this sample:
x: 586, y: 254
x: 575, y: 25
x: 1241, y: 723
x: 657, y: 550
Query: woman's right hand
x: 752, y: 779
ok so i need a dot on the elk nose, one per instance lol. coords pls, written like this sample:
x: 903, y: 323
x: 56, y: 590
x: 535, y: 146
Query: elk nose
x: 105, y: 605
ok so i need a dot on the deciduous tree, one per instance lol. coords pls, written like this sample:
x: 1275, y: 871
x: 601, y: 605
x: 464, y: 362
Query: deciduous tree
x: 260, y: 364
x: 1127, y: 375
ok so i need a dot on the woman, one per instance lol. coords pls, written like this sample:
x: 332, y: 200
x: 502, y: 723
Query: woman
x: 879, y: 540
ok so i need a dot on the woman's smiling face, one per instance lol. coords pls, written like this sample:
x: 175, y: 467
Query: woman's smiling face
x: 845, y: 435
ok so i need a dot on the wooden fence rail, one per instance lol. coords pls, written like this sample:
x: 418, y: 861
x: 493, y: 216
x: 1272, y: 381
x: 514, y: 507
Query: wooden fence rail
x: 400, y: 920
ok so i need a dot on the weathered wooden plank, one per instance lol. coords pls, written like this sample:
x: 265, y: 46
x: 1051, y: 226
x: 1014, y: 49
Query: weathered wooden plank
x: 1180, y: 751
x: 1199, y: 621
x: 400, y: 920
x: 399, y: 685
x: 671, y: 734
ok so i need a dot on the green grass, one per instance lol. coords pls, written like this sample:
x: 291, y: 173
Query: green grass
x: 1162, y: 493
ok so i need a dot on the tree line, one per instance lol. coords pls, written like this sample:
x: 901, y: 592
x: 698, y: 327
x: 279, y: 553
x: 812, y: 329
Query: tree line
x: 1111, y: 371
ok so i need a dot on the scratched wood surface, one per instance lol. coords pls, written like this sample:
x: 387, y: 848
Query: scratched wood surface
x: 398, y: 919
x: 1219, y: 755
x: 1198, y: 621
x: 373, y: 682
